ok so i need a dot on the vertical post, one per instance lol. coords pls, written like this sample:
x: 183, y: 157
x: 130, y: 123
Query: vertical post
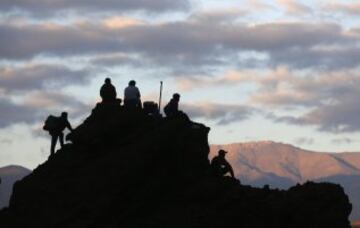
x: 161, y: 87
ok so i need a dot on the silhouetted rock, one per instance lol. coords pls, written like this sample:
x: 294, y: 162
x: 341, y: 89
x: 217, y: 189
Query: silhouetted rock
x: 128, y: 169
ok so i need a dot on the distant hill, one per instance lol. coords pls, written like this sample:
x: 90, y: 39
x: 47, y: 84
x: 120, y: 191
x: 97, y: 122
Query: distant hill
x: 283, y: 165
x: 9, y: 175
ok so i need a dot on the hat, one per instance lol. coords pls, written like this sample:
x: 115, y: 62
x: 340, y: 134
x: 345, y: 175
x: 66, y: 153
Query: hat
x: 222, y: 152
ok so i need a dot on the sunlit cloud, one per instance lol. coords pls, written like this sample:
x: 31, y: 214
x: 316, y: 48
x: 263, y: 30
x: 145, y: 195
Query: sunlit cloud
x: 350, y: 8
x: 294, y: 7
x: 121, y: 22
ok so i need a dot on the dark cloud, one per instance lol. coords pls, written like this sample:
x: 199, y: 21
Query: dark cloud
x: 115, y: 60
x: 31, y: 40
x: 304, y: 141
x: 328, y: 100
x: 6, y: 141
x: 37, y: 106
x: 344, y: 140
x: 42, y: 8
x: 336, y: 118
x: 192, y: 43
x: 12, y: 113
x: 222, y: 114
x: 40, y: 76
x: 331, y: 59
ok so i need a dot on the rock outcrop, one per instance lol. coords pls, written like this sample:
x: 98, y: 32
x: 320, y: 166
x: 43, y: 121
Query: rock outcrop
x: 129, y: 169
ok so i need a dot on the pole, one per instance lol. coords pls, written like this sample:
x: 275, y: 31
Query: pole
x: 161, y: 87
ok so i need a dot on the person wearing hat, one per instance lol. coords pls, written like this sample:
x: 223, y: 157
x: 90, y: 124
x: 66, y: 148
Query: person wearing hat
x: 172, y: 108
x: 108, y: 92
x: 220, y: 166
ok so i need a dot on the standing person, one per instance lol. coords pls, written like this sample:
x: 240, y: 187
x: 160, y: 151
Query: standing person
x: 56, y: 126
x: 220, y: 166
x: 132, y: 96
x: 172, y: 108
x: 108, y: 92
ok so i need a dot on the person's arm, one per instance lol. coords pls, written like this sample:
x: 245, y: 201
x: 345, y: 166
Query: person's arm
x: 138, y: 93
x: 68, y: 125
x: 230, y: 169
x: 114, y: 92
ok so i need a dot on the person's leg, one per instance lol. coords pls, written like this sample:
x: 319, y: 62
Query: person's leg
x: 223, y: 171
x: 61, y: 138
x: 53, y: 143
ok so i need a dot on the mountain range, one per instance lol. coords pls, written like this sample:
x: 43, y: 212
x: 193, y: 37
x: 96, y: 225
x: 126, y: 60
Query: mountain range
x: 9, y: 175
x: 282, y: 165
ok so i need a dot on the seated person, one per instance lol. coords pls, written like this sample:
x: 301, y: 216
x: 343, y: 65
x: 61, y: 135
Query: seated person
x: 220, y: 166
x: 108, y: 92
x: 172, y: 108
x: 132, y: 96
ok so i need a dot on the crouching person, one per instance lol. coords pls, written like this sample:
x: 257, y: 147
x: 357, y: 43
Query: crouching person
x: 220, y: 166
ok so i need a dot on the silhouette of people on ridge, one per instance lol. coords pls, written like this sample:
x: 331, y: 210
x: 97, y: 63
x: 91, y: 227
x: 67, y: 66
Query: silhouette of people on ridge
x: 56, y: 126
x: 108, y: 92
x: 132, y: 96
x: 220, y: 166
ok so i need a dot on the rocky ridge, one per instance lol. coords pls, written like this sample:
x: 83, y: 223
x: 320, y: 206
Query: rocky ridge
x: 128, y: 169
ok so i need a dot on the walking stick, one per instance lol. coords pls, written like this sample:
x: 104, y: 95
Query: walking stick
x: 161, y: 87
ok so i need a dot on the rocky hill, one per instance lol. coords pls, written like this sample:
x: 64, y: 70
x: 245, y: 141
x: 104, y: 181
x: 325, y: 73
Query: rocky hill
x: 128, y: 169
x: 283, y: 165
x: 9, y: 175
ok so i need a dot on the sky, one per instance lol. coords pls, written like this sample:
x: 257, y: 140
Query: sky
x: 281, y: 70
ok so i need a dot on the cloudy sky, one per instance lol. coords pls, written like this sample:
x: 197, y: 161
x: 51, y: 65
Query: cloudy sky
x: 281, y: 70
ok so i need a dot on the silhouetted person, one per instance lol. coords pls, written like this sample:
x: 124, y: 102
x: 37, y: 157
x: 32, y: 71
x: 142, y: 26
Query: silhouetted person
x: 132, y: 96
x: 108, y: 92
x: 220, y: 166
x: 56, y: 131
x: 172, y: 108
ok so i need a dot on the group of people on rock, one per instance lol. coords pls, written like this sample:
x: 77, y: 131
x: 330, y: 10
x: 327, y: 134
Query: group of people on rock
x: 132, y: 100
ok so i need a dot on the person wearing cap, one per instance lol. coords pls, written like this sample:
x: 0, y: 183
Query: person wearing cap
x: 220, y: 166
x: 57, y: 131
x: 132, y: 96
x: 172, y: 108
x: 108, y: 92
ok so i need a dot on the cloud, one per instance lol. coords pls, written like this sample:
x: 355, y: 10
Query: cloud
x: 330, y: 99
x: 222, y: 114
x: 36, y: 106
x: 351, y: 8
x: 340, y: 141
x: 230, y: 77
x: 117, y: 59
x: 40, y: 76
x: 6, y: 141
x: 12, y: 113
x: 121, y: 22
x: 218, y: 16
x: 304, y: 141
x: 294, y: 7
x: 44, y: 8
x: 192, y: 45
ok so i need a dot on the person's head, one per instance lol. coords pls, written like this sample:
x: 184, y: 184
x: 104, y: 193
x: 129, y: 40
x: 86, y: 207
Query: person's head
x: 64, y: 115
x: 132, y: 83
x: 176, y: 96
x: 107, y: 81
x: 222, y: 153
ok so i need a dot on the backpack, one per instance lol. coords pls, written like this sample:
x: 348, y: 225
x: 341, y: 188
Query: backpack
x: 51, y: 123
